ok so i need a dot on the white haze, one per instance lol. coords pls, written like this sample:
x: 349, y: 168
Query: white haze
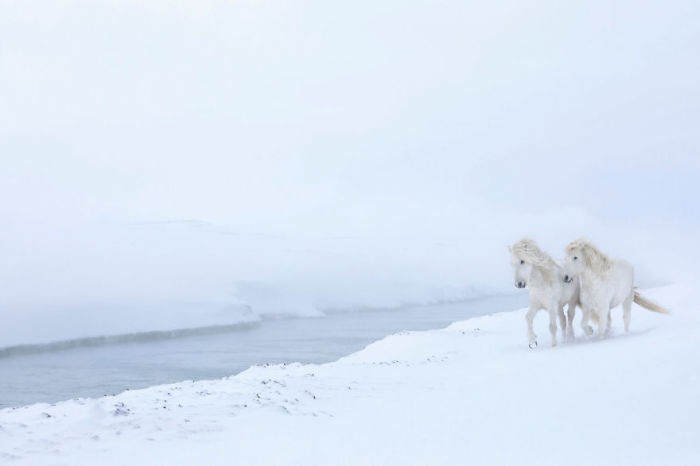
x: 170, y: 164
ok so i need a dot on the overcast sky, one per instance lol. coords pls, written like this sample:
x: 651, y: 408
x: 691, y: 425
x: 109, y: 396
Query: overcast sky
x: 314, y: 117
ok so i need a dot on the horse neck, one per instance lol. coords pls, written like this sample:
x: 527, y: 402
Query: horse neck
x: 543, y: 276
x: 588, y: 274
x: 606, y: 263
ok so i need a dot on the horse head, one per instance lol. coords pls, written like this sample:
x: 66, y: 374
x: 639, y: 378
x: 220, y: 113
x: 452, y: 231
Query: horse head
x: 522, y: 258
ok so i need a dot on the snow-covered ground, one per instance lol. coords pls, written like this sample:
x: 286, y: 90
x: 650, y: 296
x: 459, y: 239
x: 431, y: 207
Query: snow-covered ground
x: 133, y: 281
x: 97, y: 369
x: 472, y: 393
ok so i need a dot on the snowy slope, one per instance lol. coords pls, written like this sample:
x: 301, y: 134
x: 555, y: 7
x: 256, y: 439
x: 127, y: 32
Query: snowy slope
x: 472, y: 393
x: 156, y: 278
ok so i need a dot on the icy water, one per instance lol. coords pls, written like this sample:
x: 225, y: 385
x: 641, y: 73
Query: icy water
x: 108, y: 369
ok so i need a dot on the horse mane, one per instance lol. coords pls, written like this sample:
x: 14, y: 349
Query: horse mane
x: 592, y: 257
x: 527, y: 250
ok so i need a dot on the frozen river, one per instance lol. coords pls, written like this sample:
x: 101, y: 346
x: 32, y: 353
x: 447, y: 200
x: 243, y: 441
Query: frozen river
x: 93, y: 371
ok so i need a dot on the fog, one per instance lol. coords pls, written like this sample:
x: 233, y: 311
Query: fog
x: 186, y: 163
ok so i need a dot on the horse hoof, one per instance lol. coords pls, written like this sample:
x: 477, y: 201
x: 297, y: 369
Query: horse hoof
x: 533, y: 344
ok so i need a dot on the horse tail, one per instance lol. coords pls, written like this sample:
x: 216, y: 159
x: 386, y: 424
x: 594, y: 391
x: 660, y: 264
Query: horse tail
x: 647, y: 304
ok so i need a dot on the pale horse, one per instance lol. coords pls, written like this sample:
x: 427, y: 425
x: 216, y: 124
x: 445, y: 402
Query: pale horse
x: 544, y: 278
x: 605, y: 284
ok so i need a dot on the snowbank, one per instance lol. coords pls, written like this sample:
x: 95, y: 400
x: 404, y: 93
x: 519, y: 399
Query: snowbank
x: 471, y: 393
x: 129, y: 281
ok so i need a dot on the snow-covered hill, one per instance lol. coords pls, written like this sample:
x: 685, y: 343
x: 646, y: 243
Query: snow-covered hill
x: 472, y: 393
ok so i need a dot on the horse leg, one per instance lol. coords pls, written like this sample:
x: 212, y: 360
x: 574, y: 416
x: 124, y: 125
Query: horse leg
x: 529, y: 317
x: 586, y: 315
x: 603, y: 323
x: 562, y: 320
x: 627, y: 311
x: 553, y: 323
x: 571, y: 311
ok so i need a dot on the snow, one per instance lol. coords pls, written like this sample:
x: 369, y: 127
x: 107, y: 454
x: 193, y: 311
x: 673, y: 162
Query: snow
x: 175, y: 166
x: 470, y: 393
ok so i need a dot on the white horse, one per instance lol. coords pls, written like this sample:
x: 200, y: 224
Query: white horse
x: 605, y: 284
x: 536, y: 270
